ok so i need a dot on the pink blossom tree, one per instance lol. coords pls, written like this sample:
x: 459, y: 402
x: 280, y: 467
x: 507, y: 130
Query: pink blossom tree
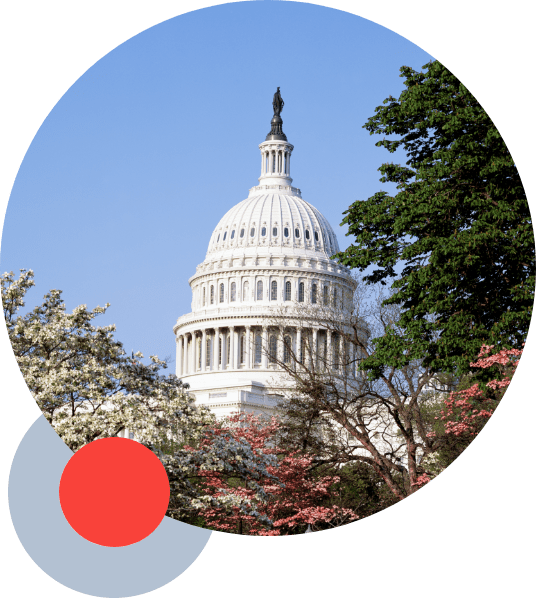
x: 288, y: 500
x: 465, y: 412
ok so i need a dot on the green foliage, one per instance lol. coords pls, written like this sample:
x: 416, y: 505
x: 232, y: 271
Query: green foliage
x: 459, y: 226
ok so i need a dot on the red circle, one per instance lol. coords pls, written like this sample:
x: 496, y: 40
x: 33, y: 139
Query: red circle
x: 114, y: 492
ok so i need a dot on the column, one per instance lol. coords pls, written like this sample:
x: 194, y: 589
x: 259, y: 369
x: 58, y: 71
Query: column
x: 329, y: 357
x: 232, y: 361
x: 178, y: 357
x: 238, y: 333
x: 188, y: 354
x: 203, y: 349
x: 216, y: 350
x: 248, y: 348
x: 314, y: 349
x: 280, y: 336
x: 299, y: 354
x: 223, y: 350
x: 265, y: 348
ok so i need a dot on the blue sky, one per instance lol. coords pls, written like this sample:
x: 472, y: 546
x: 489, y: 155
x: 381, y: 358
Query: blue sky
x: 128, y: 176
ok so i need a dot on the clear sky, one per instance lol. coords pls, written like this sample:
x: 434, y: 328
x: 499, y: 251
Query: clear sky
x: 130, y: 173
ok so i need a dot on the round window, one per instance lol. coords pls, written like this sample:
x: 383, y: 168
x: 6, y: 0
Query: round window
x: 218, y: 239
x: 263, y: 231
x: 241, y: 233
x: 232, y: 235
x: 274, y: 232
x: 252, y: 232
x: 307, y: 234
x: 297, y: 233
x: 286, y: 232
x: 225, y: 235
x: 316, y: 235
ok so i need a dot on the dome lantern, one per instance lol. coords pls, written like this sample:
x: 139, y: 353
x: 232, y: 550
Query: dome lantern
x: 276, y: 151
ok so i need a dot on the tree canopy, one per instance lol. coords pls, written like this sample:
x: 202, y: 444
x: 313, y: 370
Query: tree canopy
x: 456, y: 238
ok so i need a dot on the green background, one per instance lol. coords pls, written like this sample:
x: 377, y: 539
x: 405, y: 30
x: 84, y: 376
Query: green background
x: 470, y: 530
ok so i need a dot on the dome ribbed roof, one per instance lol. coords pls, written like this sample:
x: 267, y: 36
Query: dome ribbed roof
x: 276, y: 223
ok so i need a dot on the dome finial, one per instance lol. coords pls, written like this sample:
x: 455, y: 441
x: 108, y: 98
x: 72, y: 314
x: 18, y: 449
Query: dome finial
x: 276, y: 132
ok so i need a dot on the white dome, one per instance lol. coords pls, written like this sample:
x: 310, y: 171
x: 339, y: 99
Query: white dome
x: 269, y: 254
x: 276, y: 223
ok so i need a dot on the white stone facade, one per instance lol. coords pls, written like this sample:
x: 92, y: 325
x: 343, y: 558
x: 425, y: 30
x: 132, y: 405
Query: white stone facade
x: 268, y: 252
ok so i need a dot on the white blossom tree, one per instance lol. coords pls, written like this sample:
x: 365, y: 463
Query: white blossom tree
x: 88, y: 388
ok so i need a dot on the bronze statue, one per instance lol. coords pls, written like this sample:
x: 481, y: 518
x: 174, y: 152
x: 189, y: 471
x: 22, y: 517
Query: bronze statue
x: 278, y: 103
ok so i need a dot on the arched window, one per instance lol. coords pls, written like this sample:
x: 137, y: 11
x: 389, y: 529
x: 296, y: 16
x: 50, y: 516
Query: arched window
x: 274, y: 231
x: 204, y: 296
x: 307, y: 234
x: 245, y: 292
x: 258, y: 348
x: 326, y: 295
x: 313, y: 293
x: 287, y: 349
x: 252, y: 232
x: 266, y: 166
x: 286, y: 232
x: 316, y: 236
x: 242, y: 232
x: 335, y: 298
x: 272, y: 355
x: 225, y: 235
x: 297, y: 233
x: 263, y: 231
x: 233, y: 291
x: 259, y: 290
x: 232, y: 234
x: 273, y: 296
x: 288, y: 290
x: 301, y: 292
x: 211, y: 294
x: 208, y: 349
x: 222, y: 291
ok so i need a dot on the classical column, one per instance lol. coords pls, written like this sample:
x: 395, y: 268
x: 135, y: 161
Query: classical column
x: 203, y: 349
x: 216, y: 350
x: 247, y: 365
x: 299, y: 345
x: 223, y: 350
x: 280, y: 339
x: 232, y: 361
x: 178, y: 357
x: 265, y: 348
x: 329, y: 356
x: 314, y: 349
x: 188, y: 354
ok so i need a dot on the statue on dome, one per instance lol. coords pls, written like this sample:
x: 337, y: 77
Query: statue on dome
x: 278, y: 103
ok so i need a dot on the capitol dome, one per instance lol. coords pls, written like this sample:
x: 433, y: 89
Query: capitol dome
x: 277, y: 223
x: 270, y: 252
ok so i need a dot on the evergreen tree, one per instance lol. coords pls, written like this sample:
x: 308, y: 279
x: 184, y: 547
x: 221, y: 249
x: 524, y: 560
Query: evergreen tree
x: 459, y: 228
